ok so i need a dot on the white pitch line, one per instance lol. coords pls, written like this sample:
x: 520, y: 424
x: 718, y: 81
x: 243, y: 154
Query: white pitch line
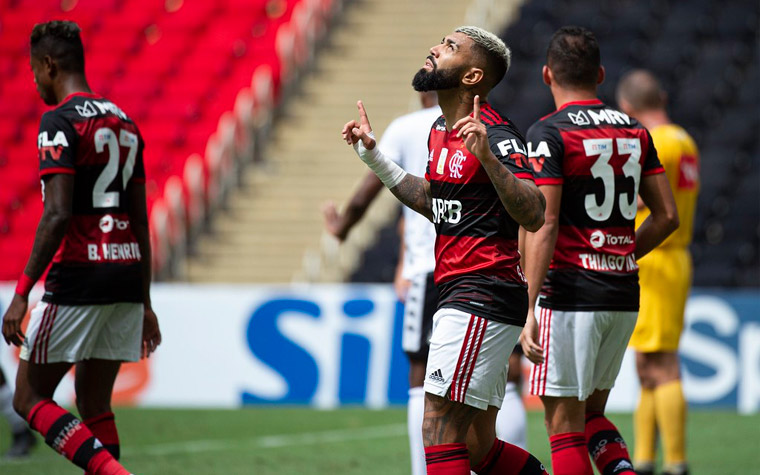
x: 263, y: 442
x: 270, y: 441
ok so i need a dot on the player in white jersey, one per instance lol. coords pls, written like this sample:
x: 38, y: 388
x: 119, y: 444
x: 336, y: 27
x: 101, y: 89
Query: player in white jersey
x: 405, y: 142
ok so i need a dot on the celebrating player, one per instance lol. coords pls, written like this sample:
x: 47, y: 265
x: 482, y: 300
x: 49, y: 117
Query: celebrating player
x: 590, y: 162
x: 477, y: 191
x: 96, y: 310
x: 665, y: 277
x: 405, y: 142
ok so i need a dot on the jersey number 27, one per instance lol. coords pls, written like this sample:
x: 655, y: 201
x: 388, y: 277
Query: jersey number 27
x: 105, y: 137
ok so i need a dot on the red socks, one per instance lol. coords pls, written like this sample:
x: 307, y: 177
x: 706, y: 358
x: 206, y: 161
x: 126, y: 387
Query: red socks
x: 103, y: 427
x: 569, y: 455
x: 508, y: 459
x: 606, y: 446
x: 447, y: 459
x: 72, y: 439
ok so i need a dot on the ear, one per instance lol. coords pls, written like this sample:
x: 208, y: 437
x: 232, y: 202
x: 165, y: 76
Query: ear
x: 473, y: 77
x: 546, y: 73
x: 600, y: 77
x: 49, y: 66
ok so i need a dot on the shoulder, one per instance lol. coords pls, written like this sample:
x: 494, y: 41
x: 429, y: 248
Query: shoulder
x: 498, y: 125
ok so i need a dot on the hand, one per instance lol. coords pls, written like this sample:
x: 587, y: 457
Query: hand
x: 529, y: 340
x: 12, y: 320
x: 401, y: 286
x: 474, y: 132
x: 354, y: 131
x: 333, y: 221
x: 151, y: 334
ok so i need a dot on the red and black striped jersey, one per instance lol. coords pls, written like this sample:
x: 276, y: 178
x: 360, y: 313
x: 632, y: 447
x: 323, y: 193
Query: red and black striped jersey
x: 98, y: 260
x: 598, y: 155
x: 477, y: 262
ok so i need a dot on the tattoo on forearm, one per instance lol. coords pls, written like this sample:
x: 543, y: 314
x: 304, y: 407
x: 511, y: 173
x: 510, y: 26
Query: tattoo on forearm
x: 523, y: 203
x: 414, y: 192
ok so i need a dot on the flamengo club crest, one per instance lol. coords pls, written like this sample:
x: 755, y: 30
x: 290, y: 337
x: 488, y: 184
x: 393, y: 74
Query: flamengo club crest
x: 456, y: 163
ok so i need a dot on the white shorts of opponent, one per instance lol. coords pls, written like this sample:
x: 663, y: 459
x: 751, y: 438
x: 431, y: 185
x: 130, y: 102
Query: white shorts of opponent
x: 71, y: 333
x: 583, y: 351
x: 469, y: 358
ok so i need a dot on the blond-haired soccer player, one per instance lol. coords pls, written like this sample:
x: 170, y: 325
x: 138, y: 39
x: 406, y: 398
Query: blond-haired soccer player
x: 665, y: 277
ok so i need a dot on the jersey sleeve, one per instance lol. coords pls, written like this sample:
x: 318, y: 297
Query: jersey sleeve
x: 56, y: 144
x: 545, y: 151
x: 652, y: 165
x: 509, y: 148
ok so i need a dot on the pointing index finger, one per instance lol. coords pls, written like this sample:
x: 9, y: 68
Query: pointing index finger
x: 476, y: 108
x: 362, y: 113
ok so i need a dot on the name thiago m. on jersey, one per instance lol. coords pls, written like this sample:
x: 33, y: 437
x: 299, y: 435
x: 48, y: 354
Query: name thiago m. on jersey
x: 98, y: 261
x: 477, y: 258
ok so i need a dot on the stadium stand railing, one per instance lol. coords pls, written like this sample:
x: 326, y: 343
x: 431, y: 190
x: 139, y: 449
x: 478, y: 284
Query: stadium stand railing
x: 201, y: 79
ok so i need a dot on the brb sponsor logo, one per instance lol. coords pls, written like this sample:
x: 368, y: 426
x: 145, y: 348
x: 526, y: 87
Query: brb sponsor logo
x: 448, y: 211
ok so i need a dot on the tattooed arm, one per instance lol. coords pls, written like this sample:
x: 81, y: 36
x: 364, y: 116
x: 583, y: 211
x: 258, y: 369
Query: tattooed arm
x: 520, y: 198
x: 414, y: 192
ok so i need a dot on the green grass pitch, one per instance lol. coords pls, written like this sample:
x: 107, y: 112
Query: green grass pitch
x: 265, y: 441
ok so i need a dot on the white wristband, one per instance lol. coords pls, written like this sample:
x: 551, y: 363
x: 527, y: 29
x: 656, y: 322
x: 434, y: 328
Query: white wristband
x: 385, y: 169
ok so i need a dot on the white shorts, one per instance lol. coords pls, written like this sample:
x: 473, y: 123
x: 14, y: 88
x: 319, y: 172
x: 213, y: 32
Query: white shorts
x: 421, y: 304
x: 583, y: 351
x: 72, y: 333
x: 469, y: 358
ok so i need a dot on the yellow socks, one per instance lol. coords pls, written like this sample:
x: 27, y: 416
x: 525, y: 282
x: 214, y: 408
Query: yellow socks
x: 670, y: 409
x: 645, y: 430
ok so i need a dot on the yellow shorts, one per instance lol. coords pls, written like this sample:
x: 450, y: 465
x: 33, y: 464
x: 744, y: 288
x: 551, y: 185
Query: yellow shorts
x: 665, y: 279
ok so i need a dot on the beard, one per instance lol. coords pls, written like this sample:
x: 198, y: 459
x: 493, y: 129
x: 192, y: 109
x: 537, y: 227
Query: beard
x: 435, y: 80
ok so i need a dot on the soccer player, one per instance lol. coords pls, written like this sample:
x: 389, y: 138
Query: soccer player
x: 23, y: 439
x: 590, y: 162
x: 96, y: 311
x: 477, y: 191
x: 405, y: 142
x: 665, y: 278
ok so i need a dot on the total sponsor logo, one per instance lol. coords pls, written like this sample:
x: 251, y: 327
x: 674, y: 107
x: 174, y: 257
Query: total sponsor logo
x: 598, y: 239
x: 108, y: 223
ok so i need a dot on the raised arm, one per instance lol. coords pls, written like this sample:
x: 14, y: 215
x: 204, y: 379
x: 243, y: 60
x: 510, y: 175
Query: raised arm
x: 412, y: 191
x: 521, y: 198
x: 339, y: 224
x: 58, y: 191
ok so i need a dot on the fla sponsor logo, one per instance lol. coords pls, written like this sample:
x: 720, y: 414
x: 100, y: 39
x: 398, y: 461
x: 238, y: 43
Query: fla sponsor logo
x: 538, y: 156
x: 53, y: 147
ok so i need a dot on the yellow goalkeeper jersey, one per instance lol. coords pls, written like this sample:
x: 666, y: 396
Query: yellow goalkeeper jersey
x: 679, y: 155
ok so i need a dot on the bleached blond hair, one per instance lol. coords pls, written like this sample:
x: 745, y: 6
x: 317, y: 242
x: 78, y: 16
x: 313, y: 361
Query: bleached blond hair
x: 489, y: 42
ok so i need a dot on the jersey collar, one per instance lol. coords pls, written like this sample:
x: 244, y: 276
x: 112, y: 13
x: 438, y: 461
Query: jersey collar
x: 90, y: 95
x: 590, y: 102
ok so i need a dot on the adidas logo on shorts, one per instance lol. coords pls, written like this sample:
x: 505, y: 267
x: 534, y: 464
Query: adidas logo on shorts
x: 437, y: 376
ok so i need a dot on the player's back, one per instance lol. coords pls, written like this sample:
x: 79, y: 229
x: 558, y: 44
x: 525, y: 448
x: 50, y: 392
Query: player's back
x: 98, y: 260
x: 599, y: 156
x: 679, y: 156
